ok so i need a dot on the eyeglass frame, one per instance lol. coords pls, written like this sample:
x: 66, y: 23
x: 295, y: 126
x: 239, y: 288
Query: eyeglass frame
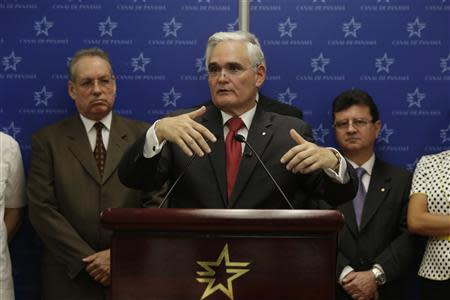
x: 228, y: 70
x: 356, y: 123
x: 88, y: 84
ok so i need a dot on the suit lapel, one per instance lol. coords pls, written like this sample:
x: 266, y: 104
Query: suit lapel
x: 213, y: 121
x: 78, y: 144
x: 379, y: 187
x: 259, y: 135
x: 116, y: 147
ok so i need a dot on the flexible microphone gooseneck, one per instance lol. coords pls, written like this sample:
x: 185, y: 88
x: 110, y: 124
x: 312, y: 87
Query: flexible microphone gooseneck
x: 176, y: 180
x: 241, y: 139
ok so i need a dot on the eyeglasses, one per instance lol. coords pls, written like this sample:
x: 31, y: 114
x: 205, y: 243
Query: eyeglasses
x: 103, y: 82
x: 232, y: 69
x: 357, y: 123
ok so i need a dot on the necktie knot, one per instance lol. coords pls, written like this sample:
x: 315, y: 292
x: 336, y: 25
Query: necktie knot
x: 235, y: 123
x: 98, y: 126
x: 360, y: 172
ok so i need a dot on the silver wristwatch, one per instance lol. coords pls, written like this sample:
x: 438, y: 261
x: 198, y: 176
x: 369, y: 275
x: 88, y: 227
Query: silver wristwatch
x: 380, y: 277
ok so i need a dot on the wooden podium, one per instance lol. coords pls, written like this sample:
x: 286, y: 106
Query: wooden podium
x: 221, y: 254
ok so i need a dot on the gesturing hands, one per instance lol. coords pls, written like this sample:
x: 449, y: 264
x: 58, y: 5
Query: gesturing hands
x: 185, y: 132
x: 98, y: 265
x: 307, y: 157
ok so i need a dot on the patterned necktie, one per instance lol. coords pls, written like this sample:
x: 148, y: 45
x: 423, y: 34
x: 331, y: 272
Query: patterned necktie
x: 99, y: 151
x: 358, y: 201
x: 234, y: 153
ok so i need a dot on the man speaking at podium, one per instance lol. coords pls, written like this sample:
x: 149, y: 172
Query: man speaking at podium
x: 206, y: 154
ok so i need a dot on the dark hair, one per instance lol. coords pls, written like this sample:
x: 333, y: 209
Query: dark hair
x: 355, y: 97
x: 92, y: 52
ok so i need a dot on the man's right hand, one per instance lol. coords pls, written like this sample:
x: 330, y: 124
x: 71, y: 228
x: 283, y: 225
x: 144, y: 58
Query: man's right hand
x: 185, y: 132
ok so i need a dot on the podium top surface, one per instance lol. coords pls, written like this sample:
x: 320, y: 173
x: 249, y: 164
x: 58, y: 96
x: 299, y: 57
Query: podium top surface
x: 222, y: 220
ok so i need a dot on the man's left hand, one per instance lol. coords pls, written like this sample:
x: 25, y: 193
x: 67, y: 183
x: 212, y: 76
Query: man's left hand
x: 98, y: 265
x: 307, y: 157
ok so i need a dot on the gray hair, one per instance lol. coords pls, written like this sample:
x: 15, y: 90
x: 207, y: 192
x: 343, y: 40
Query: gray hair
x: 91, y: 52
x: 254, y: 51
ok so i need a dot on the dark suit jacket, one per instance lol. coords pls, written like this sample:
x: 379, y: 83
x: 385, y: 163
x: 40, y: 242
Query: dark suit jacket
x: 204, y: 183
x: 272, y: 105
x: 383, y: 237
x: 66, y: 195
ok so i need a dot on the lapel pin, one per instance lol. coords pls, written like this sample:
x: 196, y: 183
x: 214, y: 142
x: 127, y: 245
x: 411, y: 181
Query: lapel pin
x: 264, y: 133
x: 382, y: 189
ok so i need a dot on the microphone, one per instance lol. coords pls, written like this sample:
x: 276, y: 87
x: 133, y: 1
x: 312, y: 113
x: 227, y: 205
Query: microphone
x: 176, y: 180
x: 241, y: 139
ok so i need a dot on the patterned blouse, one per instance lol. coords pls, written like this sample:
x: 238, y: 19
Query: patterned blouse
x: 432, y: 177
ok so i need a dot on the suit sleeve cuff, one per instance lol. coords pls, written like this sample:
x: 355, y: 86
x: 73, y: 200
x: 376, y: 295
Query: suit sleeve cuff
x: 151, y: 146
x: 342, y: 175
x: 345, y: 272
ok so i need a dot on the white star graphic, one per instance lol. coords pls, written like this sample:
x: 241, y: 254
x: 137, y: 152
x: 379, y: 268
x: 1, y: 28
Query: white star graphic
x: 415, y: 28
x: 445, y: 134
x: 385, y: 133
x: 410, y: 167
x: 320, y: 133
x: 383, y: 64
x: 319, y: 63
x: 170, y: 28
x: 445, y: 64
x: 42, y: 96
x: 233, y: 26
x: 200, y: 64
x: 42, y: 26
x: 12, y: 130
x: 415, y: 98
x: 139, y: 63
x: 171, y: 98
x: 287, y: 96
x: 11, y: 61
x: 286, y: 28
x: 107, y: 27
x: 351, y: 28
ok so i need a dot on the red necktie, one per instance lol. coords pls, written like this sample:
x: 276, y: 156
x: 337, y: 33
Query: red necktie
x: 234, y: 152
x: 99, y: 151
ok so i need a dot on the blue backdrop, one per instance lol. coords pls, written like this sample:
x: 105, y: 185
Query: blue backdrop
x: 397, y: 50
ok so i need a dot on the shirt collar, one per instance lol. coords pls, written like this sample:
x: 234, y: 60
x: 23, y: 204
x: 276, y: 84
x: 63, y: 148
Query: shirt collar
x: 368, y: 165
x: 246, y: 117
x: 89, y: 124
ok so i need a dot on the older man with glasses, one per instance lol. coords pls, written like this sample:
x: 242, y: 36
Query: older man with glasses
x: 375, y: 248
x: 219, y: 176
x: 73, y: 177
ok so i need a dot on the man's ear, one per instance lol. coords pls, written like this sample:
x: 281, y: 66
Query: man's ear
x: 260, y: 75
x: 71, y: 89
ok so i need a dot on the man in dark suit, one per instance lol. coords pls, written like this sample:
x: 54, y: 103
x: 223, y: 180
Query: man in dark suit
x: 68, y: 186
x: 374, y: 247
x: 217, y: 177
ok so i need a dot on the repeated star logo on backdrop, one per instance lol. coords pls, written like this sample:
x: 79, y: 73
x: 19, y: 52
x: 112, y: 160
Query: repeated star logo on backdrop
x: 200, y: 64
x: 287, y: 27
x: 233, y: 26
x: 445, y: 64
x: 42, y: 26
x: 12, y: 130
x: 10, y: 62
x: 139, y: 63
x: 171, y: 97
x: 171, y: 28
x: 320, y: 133
x: 385, y: 133
x: 235, y: 269
x: 351, y: 28
x: 445, y: 134
x: 383, y: 63
x: 287, y: 97
x: 107, y: 27
x: 415, y: 28
x: 318, y: 64
x: 415, y: 98
x: 42, y: 96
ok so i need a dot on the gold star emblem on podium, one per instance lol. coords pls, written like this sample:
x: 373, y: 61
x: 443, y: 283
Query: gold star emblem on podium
x: 235, y: 269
